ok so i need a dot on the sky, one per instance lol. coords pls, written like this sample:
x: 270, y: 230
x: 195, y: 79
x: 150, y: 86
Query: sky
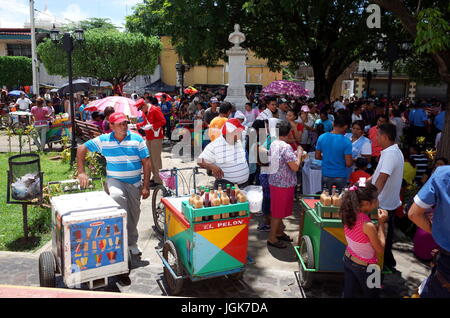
x: 14, y: 13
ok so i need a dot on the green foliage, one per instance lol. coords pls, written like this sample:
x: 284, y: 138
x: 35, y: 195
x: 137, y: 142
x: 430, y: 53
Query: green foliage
x: 328, y: 35
x: 420, y: 68
x: 107, y: 55
x: 91, y: 23
x: 433, y: 31
x: 15, y: 71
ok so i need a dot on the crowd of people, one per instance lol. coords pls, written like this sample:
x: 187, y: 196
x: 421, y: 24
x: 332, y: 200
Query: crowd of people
x: 374, y: 149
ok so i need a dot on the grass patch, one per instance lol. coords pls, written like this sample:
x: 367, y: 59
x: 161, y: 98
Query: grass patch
x: 39, y: 219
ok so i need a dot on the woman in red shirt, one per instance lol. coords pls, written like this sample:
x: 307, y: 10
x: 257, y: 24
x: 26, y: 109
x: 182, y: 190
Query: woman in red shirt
x: 295, y: 136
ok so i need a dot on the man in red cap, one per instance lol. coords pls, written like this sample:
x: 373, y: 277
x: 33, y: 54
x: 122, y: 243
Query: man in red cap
x: 225, y: 156
x: 153, y: 126
x: 126, y: 156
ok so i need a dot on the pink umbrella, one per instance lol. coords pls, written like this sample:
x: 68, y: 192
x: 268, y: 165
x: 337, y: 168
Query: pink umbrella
x: 120, y: 104
x: 158, y: 96
x: 285, y: 88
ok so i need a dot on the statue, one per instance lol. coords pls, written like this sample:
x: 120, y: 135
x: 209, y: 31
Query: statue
x: 237, y: 37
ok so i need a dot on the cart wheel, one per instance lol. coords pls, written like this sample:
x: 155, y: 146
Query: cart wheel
x: 47, y: 269
x: 158, y: 208
x: 306, y: 251
x: 171, y: 256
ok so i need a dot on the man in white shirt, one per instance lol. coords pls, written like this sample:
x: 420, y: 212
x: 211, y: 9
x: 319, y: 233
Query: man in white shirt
x: 225, y: 156
x: 388, y: 179
x: 338, y: 104
x: 271, y: 110
x: 23, y: 103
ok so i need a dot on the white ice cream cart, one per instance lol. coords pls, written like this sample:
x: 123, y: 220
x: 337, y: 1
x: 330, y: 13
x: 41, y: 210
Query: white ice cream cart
x: 90, y: 241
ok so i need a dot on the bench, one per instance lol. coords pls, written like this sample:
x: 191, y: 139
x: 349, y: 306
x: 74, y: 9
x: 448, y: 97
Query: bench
x: 87, y: 131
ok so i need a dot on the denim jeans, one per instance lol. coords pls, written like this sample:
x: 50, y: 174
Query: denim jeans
x: 355, y: 281
x: 328, y: 182
x: 433, y: 287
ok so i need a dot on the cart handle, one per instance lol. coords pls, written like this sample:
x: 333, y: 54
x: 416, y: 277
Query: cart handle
x: 297, y: 248
x: 167, y: 265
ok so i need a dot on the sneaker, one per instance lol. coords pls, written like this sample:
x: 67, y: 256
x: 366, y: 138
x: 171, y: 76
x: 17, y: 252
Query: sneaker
x: 264, y: 228
x: 135, y: 250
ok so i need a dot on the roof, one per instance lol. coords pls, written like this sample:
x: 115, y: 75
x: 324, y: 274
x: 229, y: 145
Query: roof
x: 15, y: 33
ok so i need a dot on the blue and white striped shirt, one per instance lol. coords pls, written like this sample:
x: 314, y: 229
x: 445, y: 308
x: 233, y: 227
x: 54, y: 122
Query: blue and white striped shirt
x: 123, y: 159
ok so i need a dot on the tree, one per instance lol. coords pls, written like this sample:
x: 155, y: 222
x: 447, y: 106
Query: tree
x: 106, y: 55
x: 428, y: 22
x: 91, y: 23
x: 15, y: 71
x: 328, y: 35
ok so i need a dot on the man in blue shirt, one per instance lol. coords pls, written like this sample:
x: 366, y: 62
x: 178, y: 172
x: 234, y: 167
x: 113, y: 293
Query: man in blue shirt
x: 418, y: 119
x: 439, y: 121
x: 436, y: 193
x: 126, y: 156
x: 335, y: 151
x: 325, y: 121
x: 166, y: 108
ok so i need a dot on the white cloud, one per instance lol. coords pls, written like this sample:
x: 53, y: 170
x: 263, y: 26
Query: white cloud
x: 74, y: 13
x: 14, y: 13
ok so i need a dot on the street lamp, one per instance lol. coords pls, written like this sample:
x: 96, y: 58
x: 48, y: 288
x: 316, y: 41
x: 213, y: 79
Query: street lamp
x: 368, y: 76
x: 391, y: 51
x: 68, y: 45
x: 181, y: 69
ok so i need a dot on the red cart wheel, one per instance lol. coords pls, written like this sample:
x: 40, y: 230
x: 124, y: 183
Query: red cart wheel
x: 307, y: 254
x: 170, y: 254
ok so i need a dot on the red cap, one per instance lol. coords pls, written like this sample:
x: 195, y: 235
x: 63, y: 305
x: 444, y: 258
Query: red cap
x: 116, y: 118
x: 139, y: 103
x: 231, y: 125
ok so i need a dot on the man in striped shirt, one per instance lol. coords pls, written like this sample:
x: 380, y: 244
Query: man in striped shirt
x: 225, y: 156
x: 126, y: 154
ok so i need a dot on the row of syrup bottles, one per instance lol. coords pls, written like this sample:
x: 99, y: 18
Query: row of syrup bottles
x: 206, y: 197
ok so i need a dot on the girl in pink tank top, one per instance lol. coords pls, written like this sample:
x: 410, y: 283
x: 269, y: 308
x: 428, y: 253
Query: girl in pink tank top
x: 364, y: 239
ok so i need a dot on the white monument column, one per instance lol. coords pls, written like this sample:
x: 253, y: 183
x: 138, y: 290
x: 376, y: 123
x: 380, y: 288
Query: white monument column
x: 237, y: 70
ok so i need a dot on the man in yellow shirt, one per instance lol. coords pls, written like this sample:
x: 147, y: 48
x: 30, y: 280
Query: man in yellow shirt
x: 215, y: 127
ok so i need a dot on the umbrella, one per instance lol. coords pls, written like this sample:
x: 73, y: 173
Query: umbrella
x: 16, y: 93
x: 191, y: 90
x: 285, y: 88
x: 121, y: 104
x: 158, y: 96
x: 78, y: 85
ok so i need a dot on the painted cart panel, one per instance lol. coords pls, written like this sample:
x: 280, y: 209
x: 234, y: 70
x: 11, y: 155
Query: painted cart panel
x: 207, y: 247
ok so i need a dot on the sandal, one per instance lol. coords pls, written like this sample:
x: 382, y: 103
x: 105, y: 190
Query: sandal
x: 285, y: 238
x: 277, y: 244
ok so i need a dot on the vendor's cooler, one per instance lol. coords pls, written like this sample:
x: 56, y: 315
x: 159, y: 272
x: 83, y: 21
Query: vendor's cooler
x: 89, y: 238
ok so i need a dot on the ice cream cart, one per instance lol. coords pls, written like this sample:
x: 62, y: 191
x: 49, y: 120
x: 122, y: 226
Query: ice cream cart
x: 89, y: 241
x: 322, y: 242
x: 205, y: 249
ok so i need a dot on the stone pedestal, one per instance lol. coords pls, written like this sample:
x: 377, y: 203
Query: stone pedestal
x: 237, y: 71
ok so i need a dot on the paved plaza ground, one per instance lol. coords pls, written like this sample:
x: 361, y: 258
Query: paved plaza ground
x: 274, y: 273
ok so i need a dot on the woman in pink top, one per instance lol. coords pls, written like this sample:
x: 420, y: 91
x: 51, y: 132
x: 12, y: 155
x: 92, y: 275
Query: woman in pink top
x: 41, y: 117
x: 365, y: 240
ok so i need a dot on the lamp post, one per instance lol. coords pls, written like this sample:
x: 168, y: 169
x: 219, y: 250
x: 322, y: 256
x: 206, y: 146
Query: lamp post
x: 181, y: 69
x: 68, y: 45
x: 368, y: 76
x: 391, y: 51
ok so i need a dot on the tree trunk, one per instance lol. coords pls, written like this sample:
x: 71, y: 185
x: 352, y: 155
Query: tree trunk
x: 444, y: 147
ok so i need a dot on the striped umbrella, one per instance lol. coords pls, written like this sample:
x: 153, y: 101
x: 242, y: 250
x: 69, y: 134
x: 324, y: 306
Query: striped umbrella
x: 120, y: 104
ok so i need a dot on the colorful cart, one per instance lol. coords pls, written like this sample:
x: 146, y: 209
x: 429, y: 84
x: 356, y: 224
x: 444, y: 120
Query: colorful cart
x: 202, y: 250
x: 57, y: 130
x: 322, y: 242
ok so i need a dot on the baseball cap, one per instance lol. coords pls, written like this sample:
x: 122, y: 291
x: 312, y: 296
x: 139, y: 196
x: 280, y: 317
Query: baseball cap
x: 283, y: 100
x: 139, y: 103
x: 231, y: 125
x: 117, y: 118
x: 213, y: 100
x: 305, y: 109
